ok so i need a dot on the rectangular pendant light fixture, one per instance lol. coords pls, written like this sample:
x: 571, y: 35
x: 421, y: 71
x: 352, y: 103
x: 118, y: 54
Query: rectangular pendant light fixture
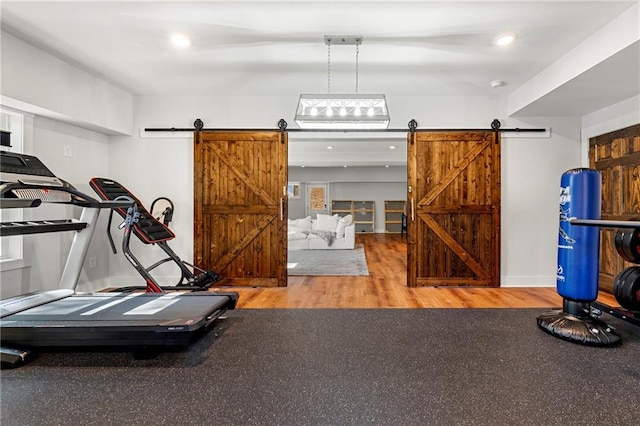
x: 342, y: 111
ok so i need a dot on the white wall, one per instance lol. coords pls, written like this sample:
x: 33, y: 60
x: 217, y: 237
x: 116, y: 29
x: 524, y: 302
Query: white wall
x: 162, y: 166
x: 89, y: 152
x: 40, y: 83
x: 531, y: 171
x: 45, y: 254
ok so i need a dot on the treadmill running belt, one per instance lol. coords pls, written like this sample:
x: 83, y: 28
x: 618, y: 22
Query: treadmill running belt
x: 116, y: 319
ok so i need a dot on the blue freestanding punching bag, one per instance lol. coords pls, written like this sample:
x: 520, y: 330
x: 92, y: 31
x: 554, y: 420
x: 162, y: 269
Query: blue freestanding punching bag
x: 578, y: 262
x: 578, y: 246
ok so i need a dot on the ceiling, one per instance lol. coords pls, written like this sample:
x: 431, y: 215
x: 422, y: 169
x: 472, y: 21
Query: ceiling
x: 276, y: 48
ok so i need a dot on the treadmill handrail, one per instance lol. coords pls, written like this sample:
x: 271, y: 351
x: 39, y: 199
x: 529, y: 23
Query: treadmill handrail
x: 19, y: 203
x: 40, y: 226
x: 77, y: 198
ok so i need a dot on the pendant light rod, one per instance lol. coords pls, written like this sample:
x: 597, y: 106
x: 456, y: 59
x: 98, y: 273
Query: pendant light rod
x: 346, y: 40
x: 357, y: 55
x: 329, y: 67
x: 343, y: 40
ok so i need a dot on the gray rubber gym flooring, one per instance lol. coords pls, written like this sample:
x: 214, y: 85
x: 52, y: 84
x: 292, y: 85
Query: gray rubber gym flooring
x: 342, y: 367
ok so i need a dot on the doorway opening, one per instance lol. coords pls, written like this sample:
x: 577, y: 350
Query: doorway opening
x: 348, y: 175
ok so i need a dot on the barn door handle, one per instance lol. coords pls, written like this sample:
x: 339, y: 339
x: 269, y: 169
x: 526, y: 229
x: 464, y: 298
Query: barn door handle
x: 413, y: 213
x: 281, y: 208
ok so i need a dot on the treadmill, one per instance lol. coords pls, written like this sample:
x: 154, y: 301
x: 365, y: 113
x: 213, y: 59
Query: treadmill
x: 66, y: 318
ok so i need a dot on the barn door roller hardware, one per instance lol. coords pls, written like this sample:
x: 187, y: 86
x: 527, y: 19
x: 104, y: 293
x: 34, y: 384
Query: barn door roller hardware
x: 198, y: 126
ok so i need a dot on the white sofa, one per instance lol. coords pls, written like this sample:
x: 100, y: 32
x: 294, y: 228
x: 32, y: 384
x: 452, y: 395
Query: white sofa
x: 323, y: 233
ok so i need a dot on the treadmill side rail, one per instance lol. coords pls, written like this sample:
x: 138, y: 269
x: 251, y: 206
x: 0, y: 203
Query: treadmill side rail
x: 232, y: 295
x: 23, y: 302
x: 8, y: 229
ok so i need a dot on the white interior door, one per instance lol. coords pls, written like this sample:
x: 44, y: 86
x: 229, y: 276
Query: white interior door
x: 317, y: 199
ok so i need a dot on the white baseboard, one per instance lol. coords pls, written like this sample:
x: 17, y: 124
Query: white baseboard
x: 528, y: 281
x: 93, y: 286
x: 130, y: 280
x: 122, y: 281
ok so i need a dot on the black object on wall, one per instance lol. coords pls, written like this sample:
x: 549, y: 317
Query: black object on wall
x: 5, y: 138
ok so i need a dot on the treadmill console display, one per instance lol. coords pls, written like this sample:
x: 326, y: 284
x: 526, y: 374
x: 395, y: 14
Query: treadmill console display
x: 15, y: 167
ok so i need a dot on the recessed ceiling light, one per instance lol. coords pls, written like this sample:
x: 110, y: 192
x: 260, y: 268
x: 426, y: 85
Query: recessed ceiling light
x: 180, y: 40
x: 302, y: 167
x: 329, y: 147
x: 392, y: 147
x: 505, y: 39
x: 387, y: 165
x: 345, y: 166
x: 497, y: 83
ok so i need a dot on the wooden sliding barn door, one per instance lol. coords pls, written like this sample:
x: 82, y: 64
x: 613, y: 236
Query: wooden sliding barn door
x: 616, y: 156
x: 240, y: 206
x: 454, y: 209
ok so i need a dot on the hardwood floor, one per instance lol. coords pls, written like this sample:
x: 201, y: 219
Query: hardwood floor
x: 385, y: 287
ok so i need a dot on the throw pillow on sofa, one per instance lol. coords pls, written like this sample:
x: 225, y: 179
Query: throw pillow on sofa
x: 342, y: 224
x: 300, y: 225
x: 327, y: 223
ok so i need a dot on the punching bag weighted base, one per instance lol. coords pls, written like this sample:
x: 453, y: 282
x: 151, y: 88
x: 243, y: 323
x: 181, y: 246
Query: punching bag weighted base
x: 575, y: 324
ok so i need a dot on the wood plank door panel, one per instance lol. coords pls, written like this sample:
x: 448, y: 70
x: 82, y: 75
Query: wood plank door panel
x: 240, y: 206
x: 616, y: 156
x: 454, y: 209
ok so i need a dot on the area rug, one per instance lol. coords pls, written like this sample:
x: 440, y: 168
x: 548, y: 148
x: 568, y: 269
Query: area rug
x: 341, y: 367
x: 327, y: 262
